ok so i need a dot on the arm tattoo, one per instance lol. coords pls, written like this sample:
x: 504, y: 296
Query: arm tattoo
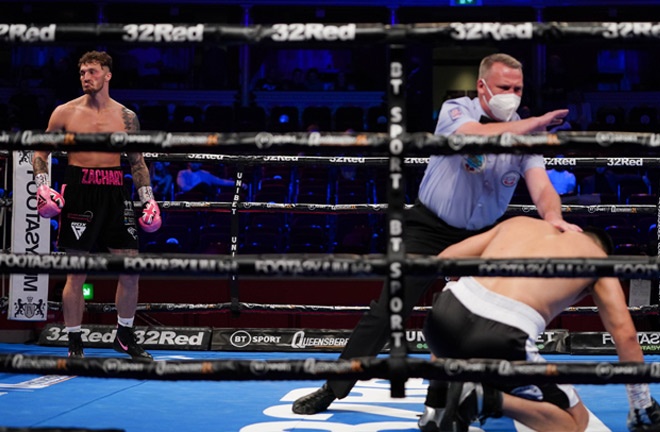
x: 139, y: 169
x: 39, y: 164
x: 131, y: 122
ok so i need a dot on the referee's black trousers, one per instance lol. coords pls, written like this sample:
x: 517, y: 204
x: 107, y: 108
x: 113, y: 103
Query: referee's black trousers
x: 424, y: 234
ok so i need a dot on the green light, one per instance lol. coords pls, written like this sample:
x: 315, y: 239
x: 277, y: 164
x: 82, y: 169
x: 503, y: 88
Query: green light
x: 88, y: 291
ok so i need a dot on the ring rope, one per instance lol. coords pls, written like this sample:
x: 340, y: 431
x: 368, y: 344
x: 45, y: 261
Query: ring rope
x: 379, y: 208
x: 345, y: 34
x: 297, y: 160
x: 362, y: 208
x: 363, y: 368
x: 271, y: 307
x: 324, y: 265
x: 618, y: 143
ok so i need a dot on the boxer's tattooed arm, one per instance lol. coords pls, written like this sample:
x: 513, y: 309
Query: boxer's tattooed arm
x: 40, y: 163
x: 139, y: 169
x: 131, y: 122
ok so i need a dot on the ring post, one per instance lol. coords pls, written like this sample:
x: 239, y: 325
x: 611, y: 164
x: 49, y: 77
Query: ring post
x: 396, y: 200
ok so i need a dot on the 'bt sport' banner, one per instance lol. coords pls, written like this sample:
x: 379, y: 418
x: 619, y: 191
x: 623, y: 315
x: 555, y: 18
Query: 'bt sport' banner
x: 28, y: 294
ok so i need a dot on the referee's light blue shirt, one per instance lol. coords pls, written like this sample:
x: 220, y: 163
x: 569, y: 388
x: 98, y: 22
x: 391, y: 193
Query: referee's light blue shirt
x: 465, y: 196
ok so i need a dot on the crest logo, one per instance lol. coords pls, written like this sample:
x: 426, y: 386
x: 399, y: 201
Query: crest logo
x: 29, y: 309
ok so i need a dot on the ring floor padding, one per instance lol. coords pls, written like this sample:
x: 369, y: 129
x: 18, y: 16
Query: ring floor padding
x: 231, y: 406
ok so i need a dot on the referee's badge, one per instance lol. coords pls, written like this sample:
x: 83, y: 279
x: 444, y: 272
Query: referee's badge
x: 455, y: 113
x: 510, y: 179
x: 474, y: 163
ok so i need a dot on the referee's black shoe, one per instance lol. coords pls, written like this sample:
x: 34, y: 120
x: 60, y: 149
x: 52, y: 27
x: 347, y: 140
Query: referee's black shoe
x: 314, y: 403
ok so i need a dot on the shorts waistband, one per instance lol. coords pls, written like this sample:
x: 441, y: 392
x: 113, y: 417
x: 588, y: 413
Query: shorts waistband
x: 488, y: 304
x: 113, y: 176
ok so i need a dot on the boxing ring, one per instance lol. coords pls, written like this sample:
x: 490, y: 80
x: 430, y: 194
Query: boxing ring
x: 391, y: 381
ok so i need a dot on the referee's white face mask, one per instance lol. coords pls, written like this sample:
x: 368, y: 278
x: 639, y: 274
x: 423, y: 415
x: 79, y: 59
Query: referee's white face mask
x: 502, y: 105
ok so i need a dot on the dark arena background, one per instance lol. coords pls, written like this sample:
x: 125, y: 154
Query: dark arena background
x: 283, y: 255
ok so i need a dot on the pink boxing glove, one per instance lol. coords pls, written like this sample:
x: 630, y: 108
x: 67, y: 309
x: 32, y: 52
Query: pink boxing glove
x: 49, y: 201
x: 150, y: 220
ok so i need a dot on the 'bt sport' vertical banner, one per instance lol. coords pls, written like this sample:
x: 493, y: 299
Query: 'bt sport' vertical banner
x: 28, y: 294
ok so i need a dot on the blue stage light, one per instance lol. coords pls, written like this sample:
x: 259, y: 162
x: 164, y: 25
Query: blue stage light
x: 466, y: 3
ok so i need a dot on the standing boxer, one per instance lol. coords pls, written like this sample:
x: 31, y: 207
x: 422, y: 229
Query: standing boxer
x: 96, y: 210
